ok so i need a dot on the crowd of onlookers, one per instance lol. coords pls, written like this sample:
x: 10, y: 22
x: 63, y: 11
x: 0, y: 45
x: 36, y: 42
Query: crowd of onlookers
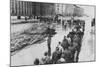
x: 66, y: 51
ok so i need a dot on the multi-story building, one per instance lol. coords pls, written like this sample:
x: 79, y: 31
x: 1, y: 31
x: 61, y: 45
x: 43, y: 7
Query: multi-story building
x: 68, y: 10
x: 78, y: 11
x: 59, y: 8
x: 24, y: 8
x: 21, y: 8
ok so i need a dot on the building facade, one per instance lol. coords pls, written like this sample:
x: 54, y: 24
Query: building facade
x: 68, y: 10
x: 24, y: 8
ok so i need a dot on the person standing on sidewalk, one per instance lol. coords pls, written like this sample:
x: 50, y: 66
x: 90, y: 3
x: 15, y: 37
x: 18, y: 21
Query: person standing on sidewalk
x: 49, y: 44
x: 49, y: 33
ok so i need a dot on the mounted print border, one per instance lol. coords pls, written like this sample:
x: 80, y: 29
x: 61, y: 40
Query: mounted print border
x: 51, y: 33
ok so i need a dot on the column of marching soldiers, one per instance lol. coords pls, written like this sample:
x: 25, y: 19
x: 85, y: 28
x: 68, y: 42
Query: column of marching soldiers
x: 66, y: 51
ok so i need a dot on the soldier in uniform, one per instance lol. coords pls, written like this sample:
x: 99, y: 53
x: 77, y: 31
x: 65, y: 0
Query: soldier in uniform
x: 36, y: 62
x: 65, y: 43
x: 71, y: 34
x: 46, y: 59
x: 78, y: 40
x: 56, y: 55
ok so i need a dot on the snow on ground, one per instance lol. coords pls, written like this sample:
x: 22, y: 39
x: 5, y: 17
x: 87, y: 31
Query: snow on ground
x: 88, y: 44
x: 28, y: 55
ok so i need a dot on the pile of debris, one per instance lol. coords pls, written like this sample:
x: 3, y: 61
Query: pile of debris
x: 27, y: 37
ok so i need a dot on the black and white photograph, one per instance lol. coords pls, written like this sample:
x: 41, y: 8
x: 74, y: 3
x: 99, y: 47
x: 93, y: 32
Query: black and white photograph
x: 43, y: 33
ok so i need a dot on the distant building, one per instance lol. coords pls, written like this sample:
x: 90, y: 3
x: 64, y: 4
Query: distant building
x: 78, y: 11
x: 68, y: 10
x: 47, y: 9
x: 73, y: 10
x: 24, y: 8
x: 59, y: 8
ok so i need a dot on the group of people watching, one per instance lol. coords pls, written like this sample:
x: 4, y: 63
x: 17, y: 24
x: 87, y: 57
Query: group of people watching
x: 66, y: 51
